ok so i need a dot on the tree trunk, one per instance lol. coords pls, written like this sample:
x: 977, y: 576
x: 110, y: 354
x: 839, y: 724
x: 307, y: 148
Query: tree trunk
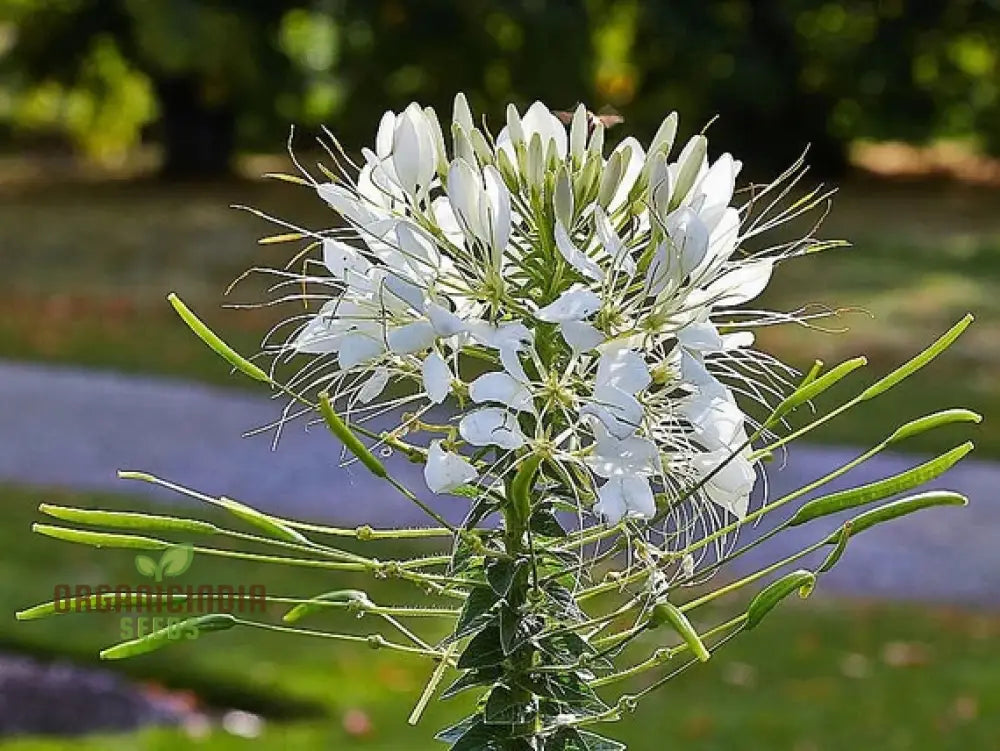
x: 198, y: 136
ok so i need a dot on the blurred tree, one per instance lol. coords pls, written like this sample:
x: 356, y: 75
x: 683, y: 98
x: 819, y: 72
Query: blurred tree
x: 216, y: 75
x: 208, y: 63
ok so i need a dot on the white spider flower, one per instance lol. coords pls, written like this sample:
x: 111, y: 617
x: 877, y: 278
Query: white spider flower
x: 575, y: 301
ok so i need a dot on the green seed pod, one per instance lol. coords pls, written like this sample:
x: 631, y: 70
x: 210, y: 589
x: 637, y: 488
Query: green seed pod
x: 263, y: 522
x: 353, y: 444
x: 902, y: 507
x: 811, y: 388
x: 929, y: 422
x: 100, y: 539
x: 163, y: 637
x: 666, y: 612
x: 876, y: 491
x: 770, y: 596
x: 341, y: 598
x: 213, y: 340
x: 912, y: 366
x: 128, y: 520
x: 521, y: 485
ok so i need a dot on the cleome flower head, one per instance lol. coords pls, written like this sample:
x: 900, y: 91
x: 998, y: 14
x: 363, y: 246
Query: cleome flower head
x: 575, y: 301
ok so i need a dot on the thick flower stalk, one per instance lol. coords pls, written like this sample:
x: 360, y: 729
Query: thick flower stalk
x: 559, y: 332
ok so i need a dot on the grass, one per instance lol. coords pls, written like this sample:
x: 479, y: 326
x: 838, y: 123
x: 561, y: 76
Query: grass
x: 827, y: 674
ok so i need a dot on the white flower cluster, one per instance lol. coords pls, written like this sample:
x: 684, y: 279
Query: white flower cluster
x: 597, y: 292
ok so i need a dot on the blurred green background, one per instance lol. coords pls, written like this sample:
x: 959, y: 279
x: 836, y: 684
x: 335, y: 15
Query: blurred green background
x: 127, y: 127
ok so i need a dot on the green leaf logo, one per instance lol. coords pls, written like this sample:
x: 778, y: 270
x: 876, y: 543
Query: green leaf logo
x: 174, y: 562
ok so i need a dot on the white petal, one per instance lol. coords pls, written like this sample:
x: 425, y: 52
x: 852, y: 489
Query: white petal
x: 731, y: 486
x: 742, y: 284
x: 445, y: 322
x: 574, y: 304
x: 690, y: 237
x: 501, y: 388
x: 639, y: 500
x: 492, y: 426
x: 575, y: 257
x: 511, y: 361
x: 374, y: 386
x: 464, y: 190
x: 497, y: 223
x: 324, y: 331
x: 383, y: 137
x: 619, y: 412
x: 358, y: 348
x: 624, y: 369
x: 406, y: 156
x: 737, y: 340
x: 610, y: 502
x: 462, y: 115
x: 411, y: 337
x: 717, y: 186
x: 418, y: 248
x: 633, y: 455
x: 445, y: 471
x: 578, y: 133
x: 436, y: 377
x: 343, y: 261
x: 398, y: 290
x: 702, y: 337
x: 621, y: 259
x: 622, y: 496
x: 580, y: 335
x: 512, y: 334
x: 636, y: 159
x: 717, y: 420
x: 539, y: 119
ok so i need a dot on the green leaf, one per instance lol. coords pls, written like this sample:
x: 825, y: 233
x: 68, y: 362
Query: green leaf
x: 456, y: 731
x: 565, y: 647
x: 342, y: 597
x: 163, y: 637
x: 545, y: 523
x: 571, y: 739
x: 351, y: 442
x: 900, y: 508
x: 667, y: 612
x: 912, y: 366
x: 176, y: 560
x: 476, y: 611
x: 509, y: 706
x: 472, y: 678
x: 929, y: 422
x: 100, y: 539
x: 876, y: 491
x: 565, y: 688
x: 265, y: 523
x: 127, y: 520
x: 562, y: 599
x: 213, y: 340
x: 501, y: 574
x: 145, y: 565
x: 517, y: 629
x: 771, y: 595
x: 483, y: 650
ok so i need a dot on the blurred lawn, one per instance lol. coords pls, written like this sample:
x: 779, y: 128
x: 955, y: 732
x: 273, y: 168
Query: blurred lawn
x: 85, y: 269
x: 827, y: 675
